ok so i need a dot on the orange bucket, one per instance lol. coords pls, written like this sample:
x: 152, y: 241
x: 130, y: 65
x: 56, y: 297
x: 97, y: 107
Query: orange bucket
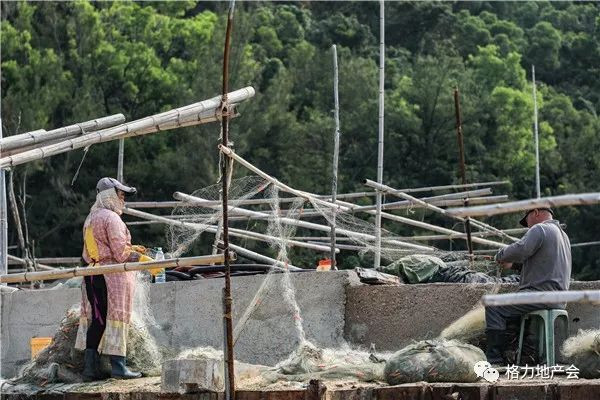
x: 324, y: 265
x: 38, y: 344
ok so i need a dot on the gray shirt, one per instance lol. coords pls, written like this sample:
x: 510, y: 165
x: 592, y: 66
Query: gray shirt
x: 545, y: 252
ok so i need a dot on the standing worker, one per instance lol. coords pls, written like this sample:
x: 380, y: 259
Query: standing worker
x: 107, y: 300
x: 545, y: 252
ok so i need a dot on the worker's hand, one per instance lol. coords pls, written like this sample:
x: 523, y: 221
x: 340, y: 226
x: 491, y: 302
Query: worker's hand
x: 138, y: 248
x: 505, y: 265
x: 134, y: 256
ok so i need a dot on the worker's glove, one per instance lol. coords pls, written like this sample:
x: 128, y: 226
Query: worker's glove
x: 138, y: 248
x: 153, y: 271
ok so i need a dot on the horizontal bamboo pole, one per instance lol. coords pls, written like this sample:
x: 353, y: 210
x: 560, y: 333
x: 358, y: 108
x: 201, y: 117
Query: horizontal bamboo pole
x: 426, y: 237
x: 213, y: 229
x: 110, y: 269
x: 299, y: 223
x: 51, y: 260
x: 17, y: 142
x: 585, y: 244
x: 441, y: 200
x: 444, y: 187
x: 429, y: 227
x: 239, y: 249
x: 551, y: 297
x: 19, y: 261
x: 344, y: 206
x: 193, y: 114
x: 439, y: 210
x: 523, y: 205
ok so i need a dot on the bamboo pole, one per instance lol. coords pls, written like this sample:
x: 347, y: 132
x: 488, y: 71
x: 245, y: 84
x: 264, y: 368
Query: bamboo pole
x: 530, y: 204
x: 550, y: 297
x: 120, y: 160
x: 246, y: 202
x: 457, y: 235
x: 50, y: 260
x: 336, y: 152
x: 40, y: 136
x: 20, y: 261
x: 478, y: 224
x: 303, y: 224
x: 109, y: 269
x: 380, y: 136
x: 430, y: 227
x: 194, y: 114
x: 345, y: 206
x: 228, y: 356
x: 584, y: 244
x: 3, y: 218
x: 213, y: 229
x: 463, y: 175
x: 535, y: 133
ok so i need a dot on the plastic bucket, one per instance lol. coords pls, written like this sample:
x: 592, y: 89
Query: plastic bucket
x: 38, y: 344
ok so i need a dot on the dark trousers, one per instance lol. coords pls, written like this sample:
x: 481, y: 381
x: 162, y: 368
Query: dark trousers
x: 496, y: 316
x: 95, y: 287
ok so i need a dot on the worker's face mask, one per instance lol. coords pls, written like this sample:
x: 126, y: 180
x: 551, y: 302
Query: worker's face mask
x: 110, y: 200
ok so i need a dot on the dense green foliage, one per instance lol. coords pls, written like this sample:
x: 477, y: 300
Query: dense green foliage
x: 64, y: 62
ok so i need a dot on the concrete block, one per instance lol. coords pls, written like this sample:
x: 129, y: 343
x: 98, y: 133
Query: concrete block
x: 192, y: 375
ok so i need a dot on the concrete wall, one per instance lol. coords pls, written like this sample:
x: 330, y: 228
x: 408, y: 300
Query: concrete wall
x: 334, y: 307
x: 189, y: 314
x: 393, y: 316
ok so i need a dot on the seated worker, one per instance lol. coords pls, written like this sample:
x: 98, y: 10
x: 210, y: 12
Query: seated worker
x: 545, y: 252
x: 107, y: 300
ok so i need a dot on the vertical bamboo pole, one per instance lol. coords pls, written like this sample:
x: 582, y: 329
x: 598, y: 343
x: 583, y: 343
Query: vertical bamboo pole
x: 3, y: 220
x: 336, y: 152
x: 120, y: 160
x: 227, y: 298
x: 463, y: 173
x: 535, y: 132
x: 380, y: 136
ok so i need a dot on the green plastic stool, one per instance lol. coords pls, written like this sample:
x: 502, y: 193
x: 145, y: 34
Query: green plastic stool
x: 545, y: 332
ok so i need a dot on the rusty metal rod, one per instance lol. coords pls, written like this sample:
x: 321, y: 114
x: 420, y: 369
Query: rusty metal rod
x: 227, y: 298
x: 463, y: 174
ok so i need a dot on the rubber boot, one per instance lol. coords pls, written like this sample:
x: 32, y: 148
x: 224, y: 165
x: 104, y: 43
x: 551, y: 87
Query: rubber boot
x: 90, y: 365
x: 120, y: 371
x: 495, y: 346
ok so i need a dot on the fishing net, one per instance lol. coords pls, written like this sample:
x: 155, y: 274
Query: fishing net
x: 470, y: 328
x: 583, y: 351
x: 60, y: 362
x: 435, y: 360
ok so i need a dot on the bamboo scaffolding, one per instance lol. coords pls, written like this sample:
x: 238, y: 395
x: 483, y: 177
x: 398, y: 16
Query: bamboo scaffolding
x: 194, y: 114
x: 431, y: 207
x: 566, y: 296
x: 303, y: 224
x: 214, y: 229
x: 19, y: 261
x: 424, y: 225
x: 246, y: 202
x: 343, y: 206
x: 25, y: 141
x: 109, y: 269
x: 522, y: 205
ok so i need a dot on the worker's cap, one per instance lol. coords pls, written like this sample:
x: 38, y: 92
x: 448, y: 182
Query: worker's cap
x: 523, y: 220
x: 109, y: 183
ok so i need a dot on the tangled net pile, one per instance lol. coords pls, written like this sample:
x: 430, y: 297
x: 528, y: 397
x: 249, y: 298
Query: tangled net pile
x: 60, y: 362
